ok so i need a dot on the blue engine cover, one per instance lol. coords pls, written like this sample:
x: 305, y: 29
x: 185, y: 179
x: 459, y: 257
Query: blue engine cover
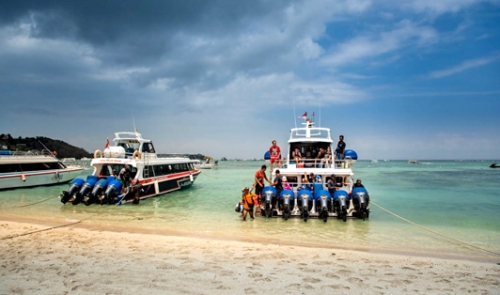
x: 116, y: 184
x: 269, y: 188
x: 320, y: 193
x: 359, y: 190
x: 305, y: 191
x: 340, y: 193
x: 102, y: 183
x: 91, y: 180
x: 77, y: 182
x: 287, y: 192
x: 350, y: 154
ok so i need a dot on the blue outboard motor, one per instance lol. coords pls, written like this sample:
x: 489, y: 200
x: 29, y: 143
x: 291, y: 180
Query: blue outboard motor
x: 268, y: 199
x: 85, y: 190
x: 74, y: 187
x: 323, y: 203
x: 286, y: 201
x: 113, y: 190
x: 341, y: 203
x: 361, y: 200
x: 97, y: 192
x: 305, y: 202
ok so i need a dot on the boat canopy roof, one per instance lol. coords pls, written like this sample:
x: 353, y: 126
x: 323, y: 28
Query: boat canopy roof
x: 310, y: 134
x: 129, y: 137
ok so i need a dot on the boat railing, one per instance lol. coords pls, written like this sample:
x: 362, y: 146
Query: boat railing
x: 319, y: 163
x: 30, y: 153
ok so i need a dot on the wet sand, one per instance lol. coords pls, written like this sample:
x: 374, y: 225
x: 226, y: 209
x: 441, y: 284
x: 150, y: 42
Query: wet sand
x: 37, y: 258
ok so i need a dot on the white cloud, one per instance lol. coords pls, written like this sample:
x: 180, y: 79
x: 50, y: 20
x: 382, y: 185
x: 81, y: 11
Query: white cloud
x: 465, y: 65
x: 366, y: 46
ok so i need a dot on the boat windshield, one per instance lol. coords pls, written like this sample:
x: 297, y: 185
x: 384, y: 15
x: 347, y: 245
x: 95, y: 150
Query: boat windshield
x: 312, y: 133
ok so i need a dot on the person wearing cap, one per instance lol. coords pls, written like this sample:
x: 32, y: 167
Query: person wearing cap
x: 358, y: 183
x: 332, y: 185
x: 247, y: 198
x: 278, y: 183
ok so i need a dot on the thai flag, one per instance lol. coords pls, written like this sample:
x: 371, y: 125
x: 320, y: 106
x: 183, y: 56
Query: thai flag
x: 107, y: 144
x: 303, y: 116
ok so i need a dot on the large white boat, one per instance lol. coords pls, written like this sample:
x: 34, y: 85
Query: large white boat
x: 30, y: 169
x: 312, y: 198
x: 150, y: 175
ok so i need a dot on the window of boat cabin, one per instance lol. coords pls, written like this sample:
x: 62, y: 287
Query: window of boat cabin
x: 165, y: 169
x: 147, y: 147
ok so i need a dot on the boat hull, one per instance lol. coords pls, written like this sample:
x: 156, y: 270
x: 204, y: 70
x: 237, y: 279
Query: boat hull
x: 38, y: 178
x: 149, y: 188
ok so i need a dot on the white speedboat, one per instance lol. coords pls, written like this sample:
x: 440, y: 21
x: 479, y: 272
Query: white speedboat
x: 30, y: 169
x: 150, y: 175
x: 207, y: 164
x: 312, y: 199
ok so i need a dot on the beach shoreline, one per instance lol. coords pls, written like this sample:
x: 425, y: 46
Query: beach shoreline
x: 80, y: 258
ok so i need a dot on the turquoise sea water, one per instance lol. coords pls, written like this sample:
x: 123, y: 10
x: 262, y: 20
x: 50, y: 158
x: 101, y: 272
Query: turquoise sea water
x: 453, y: 208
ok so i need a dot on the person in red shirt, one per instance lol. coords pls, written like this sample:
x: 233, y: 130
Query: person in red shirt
x: 275, y: 154
x: 259, y: 178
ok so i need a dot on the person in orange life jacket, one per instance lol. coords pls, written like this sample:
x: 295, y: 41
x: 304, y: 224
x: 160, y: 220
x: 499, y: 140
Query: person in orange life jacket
x: 247, y: 199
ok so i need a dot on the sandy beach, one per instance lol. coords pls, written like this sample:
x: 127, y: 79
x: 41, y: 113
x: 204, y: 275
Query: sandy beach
x: 44, y: 259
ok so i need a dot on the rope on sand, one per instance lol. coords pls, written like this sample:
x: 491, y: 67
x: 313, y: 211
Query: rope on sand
x: 34, y: 203
x: 434, y: 232
x: 42, y: 230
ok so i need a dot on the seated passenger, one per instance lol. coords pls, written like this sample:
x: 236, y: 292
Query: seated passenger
x: 327, y: 159
x: 320, y: 155
x: 297, y: 156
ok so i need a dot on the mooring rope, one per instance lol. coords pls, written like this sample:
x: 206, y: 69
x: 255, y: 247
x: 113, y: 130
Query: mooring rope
x: 45, y: 229
x: 432, y: 231
x: 31, y: 204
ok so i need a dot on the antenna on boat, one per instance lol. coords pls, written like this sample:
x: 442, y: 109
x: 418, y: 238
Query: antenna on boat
x: 294, y: 114
x: 51, y: 153
x: 133, y: 123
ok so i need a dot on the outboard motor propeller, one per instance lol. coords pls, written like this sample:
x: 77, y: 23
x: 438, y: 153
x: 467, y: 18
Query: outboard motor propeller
x: 361, y: 200
x: 323, y: 204
x: 85, y: 190
x: 305, y: 202
x: 268, y: 198
x: 286, y: 201
x: 74, y: 187
x: 112, y: 191
x: 341, y: 203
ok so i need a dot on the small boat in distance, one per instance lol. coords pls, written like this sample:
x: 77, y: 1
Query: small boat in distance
x: 494, y: 165
x: 20, y: 169
x: 208, y: 164
x: 150, y: 175
x: 413, y: 162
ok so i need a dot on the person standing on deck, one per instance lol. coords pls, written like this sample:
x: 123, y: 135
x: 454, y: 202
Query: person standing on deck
x: 275, y: 154
x: 278, y: 184
x: 339, y: 151
x: 259, y: 178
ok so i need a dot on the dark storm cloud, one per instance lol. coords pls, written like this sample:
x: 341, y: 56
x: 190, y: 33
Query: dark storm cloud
x: 161, y: 36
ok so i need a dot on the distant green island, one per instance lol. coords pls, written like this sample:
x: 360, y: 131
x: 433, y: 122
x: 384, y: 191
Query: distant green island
x: 63, y: 149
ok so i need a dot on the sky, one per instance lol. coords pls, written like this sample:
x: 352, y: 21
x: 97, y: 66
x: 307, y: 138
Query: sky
x: 407, y: 79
